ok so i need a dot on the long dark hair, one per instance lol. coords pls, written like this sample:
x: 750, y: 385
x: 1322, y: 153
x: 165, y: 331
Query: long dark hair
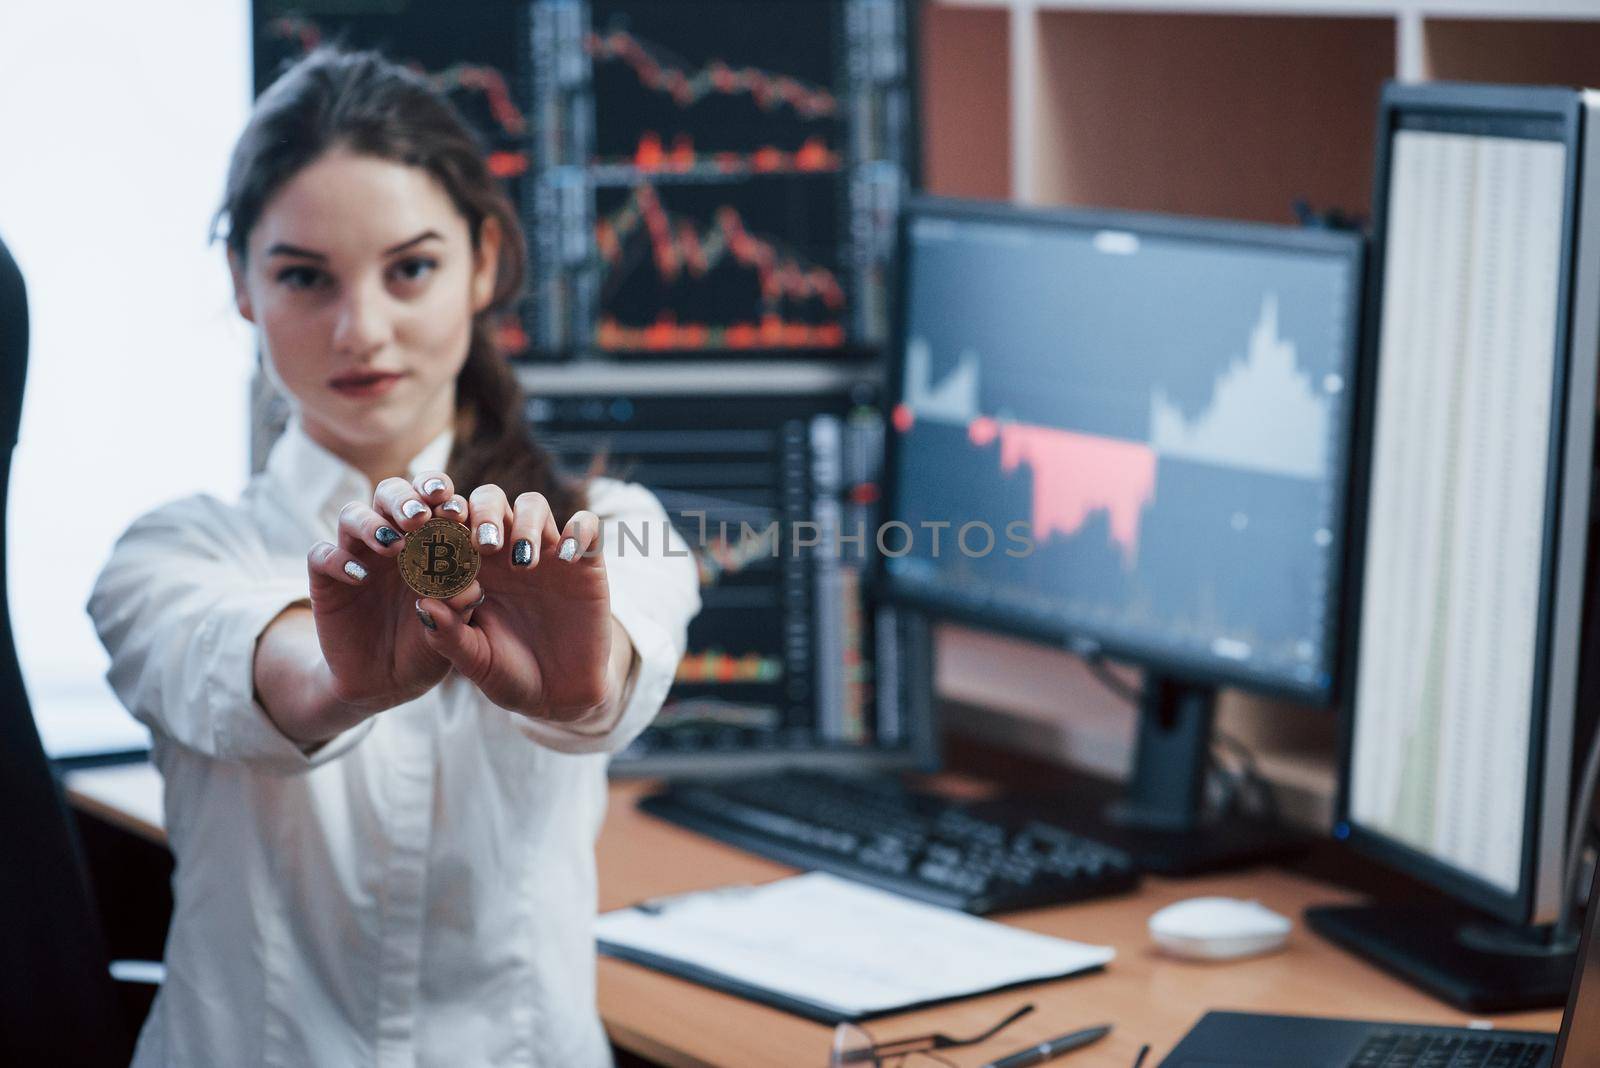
x: 361, y: 101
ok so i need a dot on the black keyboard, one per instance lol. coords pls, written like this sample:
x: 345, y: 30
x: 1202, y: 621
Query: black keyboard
x: 877, y: 832
x: 1446, y: 1049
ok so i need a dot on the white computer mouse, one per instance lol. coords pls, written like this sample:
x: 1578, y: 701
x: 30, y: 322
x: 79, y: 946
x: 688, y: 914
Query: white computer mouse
x: 1218, y: 928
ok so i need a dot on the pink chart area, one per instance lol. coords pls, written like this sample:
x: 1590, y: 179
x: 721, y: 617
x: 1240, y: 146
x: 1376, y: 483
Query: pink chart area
x: 1075, y: 475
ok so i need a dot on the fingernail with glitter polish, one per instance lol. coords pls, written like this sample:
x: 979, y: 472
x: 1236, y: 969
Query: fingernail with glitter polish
x: 433, y: 485
x: 452, y: 506
x: 427, y: 620
x: 355, y: 570
x: 522, y: 552
x: 488, y: 534
x: 569, y: 549
x: 413, y: 508
x: 387, y: 535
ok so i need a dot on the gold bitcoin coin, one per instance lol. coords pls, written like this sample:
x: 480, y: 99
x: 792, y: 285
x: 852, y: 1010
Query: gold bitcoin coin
x: 439, y: 559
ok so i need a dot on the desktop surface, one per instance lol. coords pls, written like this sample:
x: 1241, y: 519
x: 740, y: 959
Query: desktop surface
x: 1149, y: 998
x: 1270, y: 1040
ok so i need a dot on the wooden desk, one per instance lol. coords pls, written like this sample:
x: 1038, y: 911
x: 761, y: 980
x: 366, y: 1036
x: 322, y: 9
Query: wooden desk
x: 1147, y: 997
x: 126, y: 795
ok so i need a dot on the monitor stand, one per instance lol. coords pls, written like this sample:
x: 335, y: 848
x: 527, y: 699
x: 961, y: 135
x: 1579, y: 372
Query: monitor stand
x: 1160, y: 818
x: 1468, y: 962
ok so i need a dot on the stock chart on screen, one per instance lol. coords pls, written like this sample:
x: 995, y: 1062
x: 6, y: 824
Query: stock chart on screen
x: 720, y: 177
x: 695, y: 177
x: 1136, y: 437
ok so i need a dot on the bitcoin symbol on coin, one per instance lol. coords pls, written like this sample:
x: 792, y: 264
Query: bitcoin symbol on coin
x: 439, y: 559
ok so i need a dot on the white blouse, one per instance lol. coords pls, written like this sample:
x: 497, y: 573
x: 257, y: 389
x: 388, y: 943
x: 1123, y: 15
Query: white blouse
x: 421, y: 889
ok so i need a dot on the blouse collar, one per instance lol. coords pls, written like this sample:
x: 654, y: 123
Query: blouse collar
x: 320, y: 482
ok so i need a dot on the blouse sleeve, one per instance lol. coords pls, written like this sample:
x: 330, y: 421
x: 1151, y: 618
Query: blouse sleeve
x: 655, y: 591
x: 179, y: 606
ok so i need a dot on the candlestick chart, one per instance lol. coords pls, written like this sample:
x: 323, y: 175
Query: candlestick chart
x: 740, y: 165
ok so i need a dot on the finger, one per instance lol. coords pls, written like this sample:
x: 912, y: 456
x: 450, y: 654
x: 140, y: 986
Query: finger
x: 434, y: 488
x: 489, y: 516
x: 469, y: 599
x: 360, y: 525
x: 328, y: 563
x: 467, y: 648
x: 454, y: 508
x: 533, y: 530
x: 397, y: 500
x: 580, y: 538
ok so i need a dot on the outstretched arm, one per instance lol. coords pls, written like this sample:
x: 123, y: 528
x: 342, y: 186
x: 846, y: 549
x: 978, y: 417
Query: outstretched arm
x: 293, y: 683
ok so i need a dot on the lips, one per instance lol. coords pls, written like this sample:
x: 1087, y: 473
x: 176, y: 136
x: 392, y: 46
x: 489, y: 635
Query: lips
x: 365, y: 383
x: 361, y: 378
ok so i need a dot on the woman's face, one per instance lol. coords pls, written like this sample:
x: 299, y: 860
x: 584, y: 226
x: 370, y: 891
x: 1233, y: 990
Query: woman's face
x: 361, y: 276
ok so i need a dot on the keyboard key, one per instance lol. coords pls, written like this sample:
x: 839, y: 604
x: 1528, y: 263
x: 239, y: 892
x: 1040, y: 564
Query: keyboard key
x: 1444, y: 1049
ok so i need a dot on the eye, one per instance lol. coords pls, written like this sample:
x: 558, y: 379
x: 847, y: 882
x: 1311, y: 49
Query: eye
x: 300, y: 276
x: 415, y: 268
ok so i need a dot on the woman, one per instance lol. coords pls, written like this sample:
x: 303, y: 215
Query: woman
x: 383, y: 808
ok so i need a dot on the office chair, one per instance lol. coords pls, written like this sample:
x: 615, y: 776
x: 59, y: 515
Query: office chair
x: 58, y: 1003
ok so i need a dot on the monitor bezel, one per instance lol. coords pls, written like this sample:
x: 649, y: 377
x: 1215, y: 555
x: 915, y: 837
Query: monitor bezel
x: 1202, y: 671
x: 1498, y: 110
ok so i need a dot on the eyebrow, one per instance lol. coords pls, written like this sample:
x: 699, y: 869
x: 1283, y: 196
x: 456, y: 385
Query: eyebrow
x: 402, y: 246
x: 284, y: 249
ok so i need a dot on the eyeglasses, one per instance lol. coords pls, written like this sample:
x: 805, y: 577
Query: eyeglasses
x: 853, y: 1047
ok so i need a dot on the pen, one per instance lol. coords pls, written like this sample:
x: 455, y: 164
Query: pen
x: 1055, y: 1047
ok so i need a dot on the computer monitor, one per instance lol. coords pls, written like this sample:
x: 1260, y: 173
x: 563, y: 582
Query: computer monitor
x: 1131, y: 432
x: 716, y: 177
x: 706, y: 178
x: 771, y: 474
x: 1471, y: 527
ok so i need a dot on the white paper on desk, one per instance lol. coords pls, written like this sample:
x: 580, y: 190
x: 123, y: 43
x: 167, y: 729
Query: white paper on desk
x: 845, y: 946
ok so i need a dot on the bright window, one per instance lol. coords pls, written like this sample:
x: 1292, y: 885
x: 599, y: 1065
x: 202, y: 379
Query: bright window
x: 115, y: 127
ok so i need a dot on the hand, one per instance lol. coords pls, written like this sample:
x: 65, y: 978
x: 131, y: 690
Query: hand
x: 365, y: 614
x: 541, y: 642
